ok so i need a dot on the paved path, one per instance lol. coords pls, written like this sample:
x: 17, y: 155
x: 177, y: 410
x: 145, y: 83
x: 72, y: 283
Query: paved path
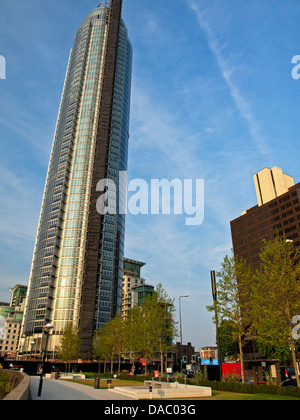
x: 65, y: 390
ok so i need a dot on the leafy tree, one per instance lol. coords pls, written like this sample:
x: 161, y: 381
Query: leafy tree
x: 117, y: 337
x: 275, y: 299
x: 109, y: 342
x: 227, y: 343
x: 232, y: 297
x: 131, y: 333
x: 147, y: 330
x: 156, y: 325
x: 69, y: 345
x: 101, y: 348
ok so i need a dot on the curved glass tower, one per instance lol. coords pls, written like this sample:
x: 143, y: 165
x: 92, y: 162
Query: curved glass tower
x: 77, y: 265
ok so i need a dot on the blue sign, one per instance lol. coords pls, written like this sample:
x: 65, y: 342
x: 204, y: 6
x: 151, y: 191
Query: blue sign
x: 207, y: 362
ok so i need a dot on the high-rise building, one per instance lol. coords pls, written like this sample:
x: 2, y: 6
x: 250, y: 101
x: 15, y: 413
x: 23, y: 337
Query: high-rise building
x: 77, y: 266
x: 278, y: 213
x: 271, y: 183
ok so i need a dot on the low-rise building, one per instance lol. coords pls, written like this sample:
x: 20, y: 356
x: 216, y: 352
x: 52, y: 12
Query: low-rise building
x: 209, y: 352
x: 11, y: 315
x: 184, y: 353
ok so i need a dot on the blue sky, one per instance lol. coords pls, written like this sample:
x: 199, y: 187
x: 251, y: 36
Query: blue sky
x: 212, y: 98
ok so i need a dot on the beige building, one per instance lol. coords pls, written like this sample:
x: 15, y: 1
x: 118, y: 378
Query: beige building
x: 11, y: 315
x: 135, y: 288
x: 271, y: 183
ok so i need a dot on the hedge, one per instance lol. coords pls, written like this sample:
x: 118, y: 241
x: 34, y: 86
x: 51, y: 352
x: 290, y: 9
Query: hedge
x: 247, y: 388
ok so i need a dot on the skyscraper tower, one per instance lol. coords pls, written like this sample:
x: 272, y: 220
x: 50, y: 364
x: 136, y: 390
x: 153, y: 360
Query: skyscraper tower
x: 77, y: 265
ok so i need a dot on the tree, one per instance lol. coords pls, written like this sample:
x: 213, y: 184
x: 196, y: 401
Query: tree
x: 227, y: 343
x: 109, y: 342
x: 232, y: 295
x: 131, y: 333
x: 147, y: 330
x: 69, y: 345
x: 156, y: 326
x: 100, y: 347
x: 275, y: 299
x: 117, y: 338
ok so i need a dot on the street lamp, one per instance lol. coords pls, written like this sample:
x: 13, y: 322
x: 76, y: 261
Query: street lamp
x: 181, y: 355
x: 215, y: 298
x: 47, y: 329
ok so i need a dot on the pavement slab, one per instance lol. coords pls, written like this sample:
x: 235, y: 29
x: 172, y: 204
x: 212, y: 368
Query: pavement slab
x: 58, y: 389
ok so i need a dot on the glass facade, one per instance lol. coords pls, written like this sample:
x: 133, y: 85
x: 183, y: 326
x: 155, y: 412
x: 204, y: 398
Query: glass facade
x: 55, y: 284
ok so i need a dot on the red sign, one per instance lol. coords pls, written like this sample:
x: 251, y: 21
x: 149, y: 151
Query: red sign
x: 231, y: 369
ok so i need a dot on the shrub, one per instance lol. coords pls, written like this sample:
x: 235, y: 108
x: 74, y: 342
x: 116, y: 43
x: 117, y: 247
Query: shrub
x: 234, y: 386
x: 4, y: 385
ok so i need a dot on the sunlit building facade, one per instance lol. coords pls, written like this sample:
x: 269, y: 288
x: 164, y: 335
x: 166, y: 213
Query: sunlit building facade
x: 77, y: 266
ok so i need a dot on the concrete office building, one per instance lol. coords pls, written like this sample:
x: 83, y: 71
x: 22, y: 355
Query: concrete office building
x: 77, y: 266
x: 271, y: 183
x: 278, y: 213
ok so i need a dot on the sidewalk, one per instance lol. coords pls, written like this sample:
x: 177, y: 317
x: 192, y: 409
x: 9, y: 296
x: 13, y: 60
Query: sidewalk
x: 64, y: 390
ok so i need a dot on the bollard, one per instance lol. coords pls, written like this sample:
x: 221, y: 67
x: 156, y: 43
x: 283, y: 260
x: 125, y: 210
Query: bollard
x: 97, y: 383
x: 150, y: 390
x: 108, y: 383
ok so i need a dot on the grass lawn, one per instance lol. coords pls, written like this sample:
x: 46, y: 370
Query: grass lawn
x: 217, y: 395
x: 223, y: 395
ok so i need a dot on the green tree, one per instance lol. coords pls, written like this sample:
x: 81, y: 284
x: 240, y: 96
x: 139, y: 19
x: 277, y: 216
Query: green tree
x: 232, y: 296
x: 156, y: 326
x: 109, y: 342
x: 275, y: 299
x: 132, y: 333
x: 117, y: 337
x: 69, y: 345
x: 227, y: 343
x: 147, y: 330
x: 101, y: 348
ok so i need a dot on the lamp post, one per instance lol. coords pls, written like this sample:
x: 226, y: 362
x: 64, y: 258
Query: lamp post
x: 214, y: 294
x: 181, y: 355
x: 47, y: 330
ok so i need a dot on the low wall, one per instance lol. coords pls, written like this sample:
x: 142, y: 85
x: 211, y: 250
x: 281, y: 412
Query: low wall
x: 20, y: 382
x: 163, y: 390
